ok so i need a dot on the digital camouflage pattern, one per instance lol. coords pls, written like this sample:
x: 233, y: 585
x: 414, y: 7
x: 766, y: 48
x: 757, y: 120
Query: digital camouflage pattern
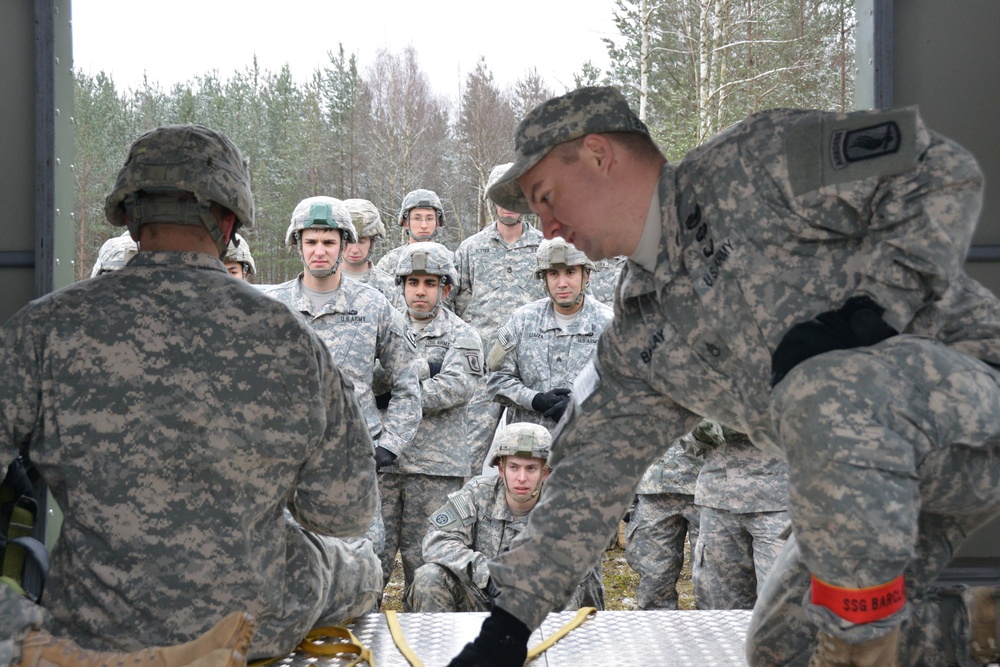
x: 742, y: 493
x: 20, y: 616
x: 663, y: 515
x: 555, y: 121
x: 360, y: 328
x: 437, y: 461
x: 377, y: 279
x: 558, y: 253
x: 114, y: 254
x: 366, y: 219
x: 177, y: 430
x: 604, y: 280
x: 474, y: 526
x: 494, y: 279
x: 541, y: 356
x: 320, y: 212
x: 781, y: 217
x: 654, y: 545
x: 239, y: 251
x: 421, y: 198
x: 186, y: 158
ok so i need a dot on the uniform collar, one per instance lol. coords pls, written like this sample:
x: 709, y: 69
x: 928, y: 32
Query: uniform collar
x: 637, y: 280
x: 171, y: 258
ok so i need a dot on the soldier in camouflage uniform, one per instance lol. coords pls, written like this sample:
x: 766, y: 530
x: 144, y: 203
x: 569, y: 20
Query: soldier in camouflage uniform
x: 359, y: 326
x: 357, y: 256
x: 480, y: 521
x: 421, y: 214
x: 545, y: 343
x: 113, y: 255
x: 769, y: 276
x: 742, y: 493
x: 605, y: 279
x: 206, y: 453
x: 664, y: 514
x: 449, y: 364
x: 495, y: 277
x: 238, y: 260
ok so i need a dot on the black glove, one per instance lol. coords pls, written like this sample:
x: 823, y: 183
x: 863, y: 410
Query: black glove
x: 433, y: 368
x: 546, y: 400
x: 383, y: 457
x: 491, y: 591
x: 555, y: 413
x: 382, y: 400
x: 503, y: 642
x: 858, y: 323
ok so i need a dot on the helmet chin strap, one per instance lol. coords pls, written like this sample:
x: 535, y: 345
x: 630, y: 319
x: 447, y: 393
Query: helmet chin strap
x: 420, y: 315
x: 323, y: 273
x: 417, y: 238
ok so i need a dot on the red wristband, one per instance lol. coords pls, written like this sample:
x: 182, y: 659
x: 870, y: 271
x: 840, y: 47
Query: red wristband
x: 860, y: 605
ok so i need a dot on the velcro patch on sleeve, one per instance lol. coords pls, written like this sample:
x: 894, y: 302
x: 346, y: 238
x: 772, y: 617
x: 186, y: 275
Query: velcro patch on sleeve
x: 453, y: 514
x: 860, y: 605
x: 830, y: 150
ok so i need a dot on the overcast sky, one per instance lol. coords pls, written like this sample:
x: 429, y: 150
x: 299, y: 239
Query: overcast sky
x: 175, y: 40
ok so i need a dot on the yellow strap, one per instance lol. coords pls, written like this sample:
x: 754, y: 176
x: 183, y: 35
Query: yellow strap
x: 397, y: 635
x: 392, y: 620
x: 577, y: 621
x: 350, y: 646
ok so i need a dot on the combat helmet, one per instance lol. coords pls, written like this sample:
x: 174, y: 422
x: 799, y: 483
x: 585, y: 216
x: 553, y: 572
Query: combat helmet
x: 114, y: 254
x: 558, y: 253
x: 366, y: 219
x: 428, y: 258
x: 421, y: 198
x: 239, y: 251
x: 173, y: 159
x: 522, y: 439
x: 321, y: 213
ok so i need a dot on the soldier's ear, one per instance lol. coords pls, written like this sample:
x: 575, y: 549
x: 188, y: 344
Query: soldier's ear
x: 598, y: 150
x: 445, y: 290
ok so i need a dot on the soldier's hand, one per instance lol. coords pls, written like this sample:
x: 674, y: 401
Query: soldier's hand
x: 555, y: 413
x: 502, y: 642
x: 382, y: 400
x: 433, y: 368
x: 383, y: 457
x: 491, y: 591
x: 858, y: 323
x: 546, y: 400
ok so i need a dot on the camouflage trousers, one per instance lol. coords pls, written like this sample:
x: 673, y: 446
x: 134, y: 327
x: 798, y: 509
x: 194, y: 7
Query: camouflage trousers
x: 19, y: 617
x: 893, y: 459
x: 344, y: 574
x: 654, y: 545
x: 483, y: 418
x: 407, y: 503
x: 437, y: 589
x: 733, y: 556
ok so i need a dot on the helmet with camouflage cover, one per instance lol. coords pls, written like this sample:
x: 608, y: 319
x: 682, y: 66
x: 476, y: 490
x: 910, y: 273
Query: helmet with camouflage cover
x: 495, y: 175
x: 421, y: 198
x: 321, y: 213
x: 366, y: 219
x: 114, y: 254
x: 239, y: 251
x: 558, y: 253
x: 427, y: 258
x: 203, y: 164
x: 522, y: 439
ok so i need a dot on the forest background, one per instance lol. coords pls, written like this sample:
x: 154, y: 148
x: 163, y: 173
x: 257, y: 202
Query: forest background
x: 376, y: 130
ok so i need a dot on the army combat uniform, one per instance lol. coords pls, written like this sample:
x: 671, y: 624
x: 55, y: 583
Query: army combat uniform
x: 378, y: 279
x: 605, y: 279
x: 540, y: 356
x: 437, y: 461
x: 664, y: 514
x: 176, y: 428
x: 742, y: 494
x: 890, y: 447
x: 360, y: 327
x: 494, y: 279
x: 474, y: 526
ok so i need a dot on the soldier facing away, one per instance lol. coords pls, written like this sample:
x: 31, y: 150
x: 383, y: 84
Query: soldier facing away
x: 207, y: 454
x: 798, y: 278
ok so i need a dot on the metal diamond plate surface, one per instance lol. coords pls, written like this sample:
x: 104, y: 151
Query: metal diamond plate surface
x: 661, y: 638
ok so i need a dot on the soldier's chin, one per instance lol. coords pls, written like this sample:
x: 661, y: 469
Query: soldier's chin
x: 509, y: 220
